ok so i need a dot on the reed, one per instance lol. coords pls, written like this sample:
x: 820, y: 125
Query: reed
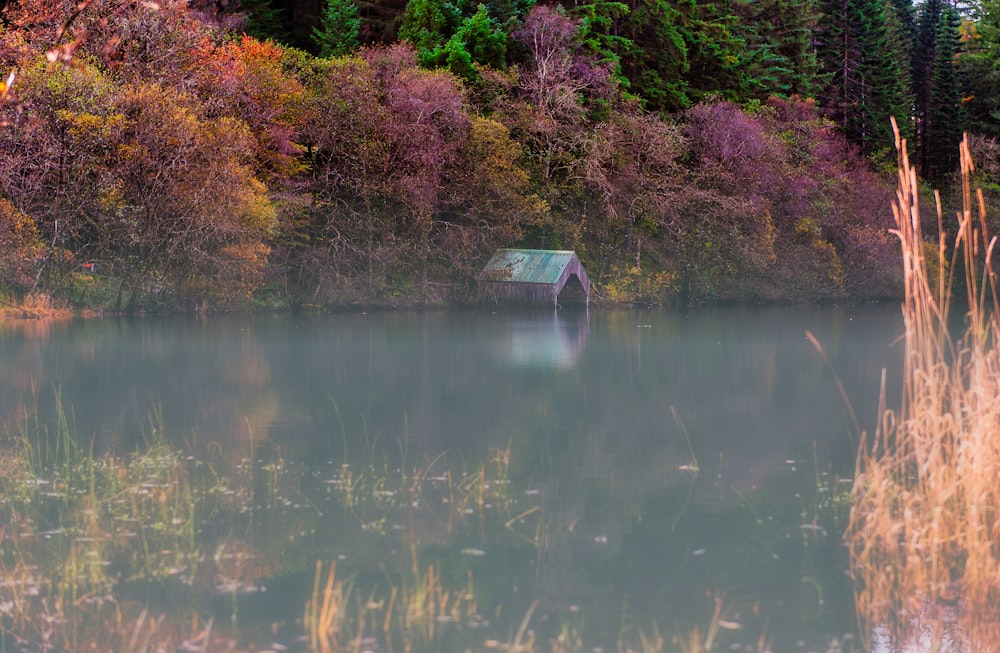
x: 924, y: 527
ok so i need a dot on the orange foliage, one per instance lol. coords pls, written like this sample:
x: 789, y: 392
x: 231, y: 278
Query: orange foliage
x: 245, y: 78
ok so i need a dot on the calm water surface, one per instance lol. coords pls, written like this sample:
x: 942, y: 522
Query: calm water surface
x: 655, y: 461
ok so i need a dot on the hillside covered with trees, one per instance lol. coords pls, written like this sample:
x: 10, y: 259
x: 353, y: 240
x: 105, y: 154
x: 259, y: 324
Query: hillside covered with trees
x: 181, y: 155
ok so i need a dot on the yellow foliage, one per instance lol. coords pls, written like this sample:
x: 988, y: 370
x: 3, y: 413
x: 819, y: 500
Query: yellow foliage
x: 826, y: 253
x: 20, y: 245
x: 231, y: 277
x: 629, y: 283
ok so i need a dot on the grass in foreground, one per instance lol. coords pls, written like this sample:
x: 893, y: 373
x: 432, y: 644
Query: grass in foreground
x: 925, y: 523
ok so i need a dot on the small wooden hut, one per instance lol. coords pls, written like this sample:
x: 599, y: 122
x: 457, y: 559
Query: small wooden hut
x: 534, y: 275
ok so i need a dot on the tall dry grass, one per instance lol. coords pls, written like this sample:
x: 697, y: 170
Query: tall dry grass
x: 924, y: 532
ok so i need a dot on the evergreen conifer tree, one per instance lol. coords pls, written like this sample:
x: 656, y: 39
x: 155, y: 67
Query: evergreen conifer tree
x: 681, y: 51
x: 980, y: 67
x: 339, y: 28
x: 264, y: 21
x: 924, y: 45
x: 657, y: 64
x: 861, y: 51
x: 945, y: 115
x: 779, y: 36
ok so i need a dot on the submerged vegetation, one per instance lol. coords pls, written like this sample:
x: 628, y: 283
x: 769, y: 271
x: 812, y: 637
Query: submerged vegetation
x: 926, y: 502
x: 159, y: 548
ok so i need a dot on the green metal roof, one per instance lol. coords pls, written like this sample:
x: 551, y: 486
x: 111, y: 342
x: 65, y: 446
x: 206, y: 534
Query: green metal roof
x: 527, y: 265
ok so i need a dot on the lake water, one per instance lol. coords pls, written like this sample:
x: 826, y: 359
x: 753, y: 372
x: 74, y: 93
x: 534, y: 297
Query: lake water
x: 597, y: 477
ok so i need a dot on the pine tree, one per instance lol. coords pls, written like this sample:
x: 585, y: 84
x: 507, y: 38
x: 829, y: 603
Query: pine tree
x: 683, y: 51
x: 429, y: 24
x: 657, y: 63
x: 861, y: 52
x: 779, y: 36
x: 925, y: 41
x: 264, y: 21
x: 339, y: 28
x: 945, y: 116
x: 980, y: 67
x: 485, y: 42
x: 599, y: 22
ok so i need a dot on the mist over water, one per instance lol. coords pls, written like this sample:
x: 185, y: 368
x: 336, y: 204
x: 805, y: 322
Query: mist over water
x: 674, y: 457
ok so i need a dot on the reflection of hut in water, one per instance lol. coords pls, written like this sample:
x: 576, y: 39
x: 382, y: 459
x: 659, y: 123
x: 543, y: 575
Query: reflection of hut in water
x: 534, y: 275
x: 555, y: 342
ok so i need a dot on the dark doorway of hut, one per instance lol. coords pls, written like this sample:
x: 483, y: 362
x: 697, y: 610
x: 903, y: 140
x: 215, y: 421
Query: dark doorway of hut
x: 535, y: 277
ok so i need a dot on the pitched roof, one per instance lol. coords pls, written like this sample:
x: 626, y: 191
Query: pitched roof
x: 527, y: 265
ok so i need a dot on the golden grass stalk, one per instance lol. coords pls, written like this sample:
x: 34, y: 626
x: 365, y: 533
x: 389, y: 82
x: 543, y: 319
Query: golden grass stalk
x: 924, y: 532
x: 325, y: 610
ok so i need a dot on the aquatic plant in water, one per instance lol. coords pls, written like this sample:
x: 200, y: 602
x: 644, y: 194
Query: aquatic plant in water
x: 926, y: 503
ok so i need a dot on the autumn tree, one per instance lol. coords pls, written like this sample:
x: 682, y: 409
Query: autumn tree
x: 629, y: 165
x: 251, y: 80
x: 20, y: 248
x: 130, y: 172
x: 557, y: 83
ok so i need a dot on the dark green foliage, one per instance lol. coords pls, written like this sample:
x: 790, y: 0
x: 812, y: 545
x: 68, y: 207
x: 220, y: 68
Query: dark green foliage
x: 380, y: 20
x: 428, y: 24
x: 925, y: 42
x: 658, y: 62
x: 446, y: 39
x: 779, y: 37
x: 339, y: 28
x: 264, y: 21
x: 485, y: 43
x: 861, y: 45
x: 980, y: 67
x: 945, y: 115
x: 598, y: 23
x: 685, y: 51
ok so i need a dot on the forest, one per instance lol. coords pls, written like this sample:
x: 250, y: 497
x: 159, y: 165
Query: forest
x: 191, y: 155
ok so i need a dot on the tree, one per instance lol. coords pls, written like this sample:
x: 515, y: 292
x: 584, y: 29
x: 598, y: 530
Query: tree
x: 925, y: 44
x: 684, y: 51
x: 944, y: 115
x: 428, y: 24
x: 132, y: 175
x: 445, y: 37
x: 860, y: 51
x: 658, y: 63
x: 252, y: 80
x: 779, y: 38
x: 629, y: 165
x: 980, y: 66
x: 557, y: 83
x: 339, y: 29
x: 263, y: 20
x: 20, y: 248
